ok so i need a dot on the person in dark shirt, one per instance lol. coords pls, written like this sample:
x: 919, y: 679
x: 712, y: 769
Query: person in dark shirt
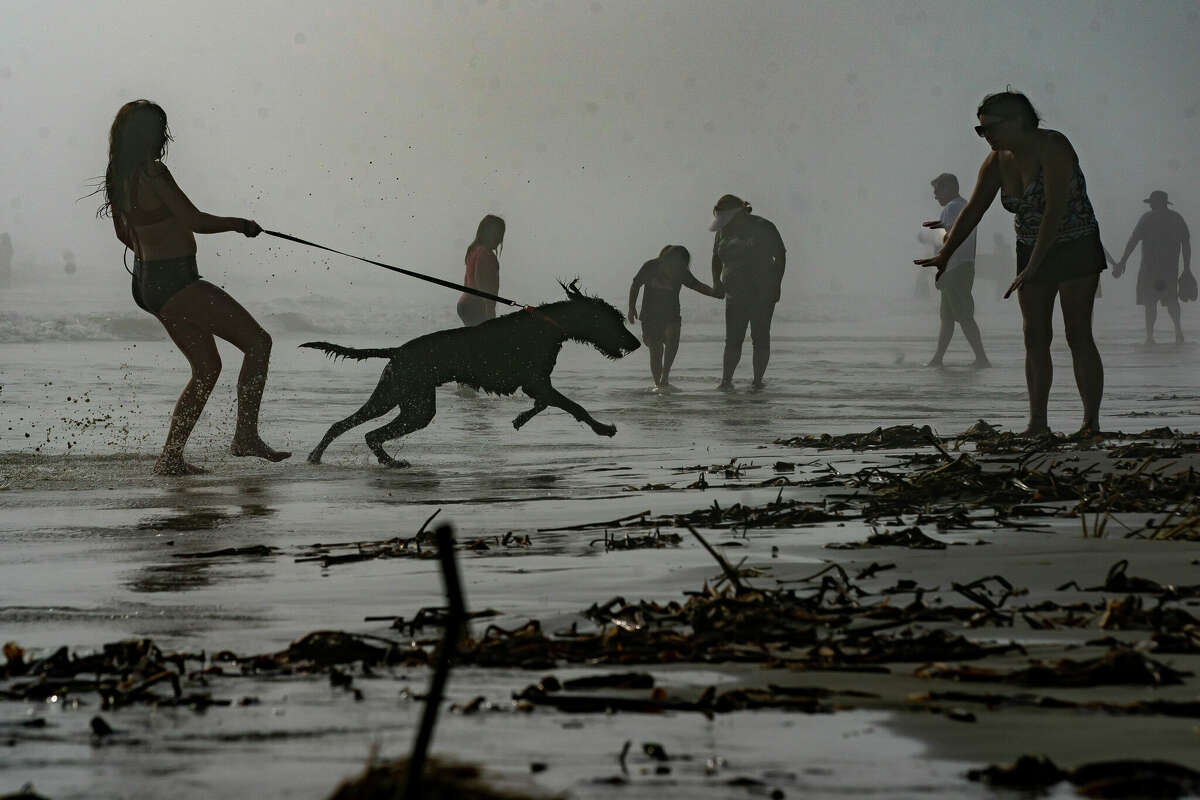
x: 747, y: 268
x: 1163, y: 235
x: 662, y: 279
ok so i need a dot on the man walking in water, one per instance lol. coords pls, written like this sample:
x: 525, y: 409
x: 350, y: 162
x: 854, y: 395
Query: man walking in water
x: 958, y: 279
x: 1163, y: 235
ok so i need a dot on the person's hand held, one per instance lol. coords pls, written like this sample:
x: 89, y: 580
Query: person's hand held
x: 251, y: 228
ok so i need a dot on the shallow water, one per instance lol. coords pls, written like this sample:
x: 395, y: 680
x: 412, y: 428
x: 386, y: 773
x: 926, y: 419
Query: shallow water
x: 88, y: 536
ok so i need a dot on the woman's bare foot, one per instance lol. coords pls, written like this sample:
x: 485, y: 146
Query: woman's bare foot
x: 254, y: 446
x: 175, y: 465
x: 1036, y: 429
x: 981, y: 363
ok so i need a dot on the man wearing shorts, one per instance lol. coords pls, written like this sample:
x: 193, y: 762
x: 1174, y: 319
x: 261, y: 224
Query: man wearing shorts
x: 958, y: 306
x: 1163, y: 235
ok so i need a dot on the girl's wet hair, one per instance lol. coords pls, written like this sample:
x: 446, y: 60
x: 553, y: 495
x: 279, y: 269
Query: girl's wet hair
x: 490, y: 233
x: 139, y: 135
x: 1010, y: 104
x: 675, y: 251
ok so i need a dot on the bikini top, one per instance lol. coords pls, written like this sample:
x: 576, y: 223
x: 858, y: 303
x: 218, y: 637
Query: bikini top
x: 1029, y: 207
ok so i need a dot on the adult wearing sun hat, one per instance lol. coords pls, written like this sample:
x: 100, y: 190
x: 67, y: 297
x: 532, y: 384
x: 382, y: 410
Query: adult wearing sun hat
x: 1163, y: 235
x: 747, y: 269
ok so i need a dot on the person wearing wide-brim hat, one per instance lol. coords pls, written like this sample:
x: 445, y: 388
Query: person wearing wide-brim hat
x: 747, y: 268
x: 1164, y: 236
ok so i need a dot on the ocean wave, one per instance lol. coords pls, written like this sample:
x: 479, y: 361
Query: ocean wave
x: 141, y: 327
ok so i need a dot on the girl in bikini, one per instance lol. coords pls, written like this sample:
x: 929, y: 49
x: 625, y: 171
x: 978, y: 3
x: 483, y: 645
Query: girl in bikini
x: 155, y: 219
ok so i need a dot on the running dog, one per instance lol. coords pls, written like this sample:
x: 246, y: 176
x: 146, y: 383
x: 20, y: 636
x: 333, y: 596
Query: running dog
x: 500, y: 356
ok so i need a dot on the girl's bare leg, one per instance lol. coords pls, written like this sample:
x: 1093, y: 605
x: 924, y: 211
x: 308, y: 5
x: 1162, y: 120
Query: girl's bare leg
x: 201, y: 352
x: 211, y: 309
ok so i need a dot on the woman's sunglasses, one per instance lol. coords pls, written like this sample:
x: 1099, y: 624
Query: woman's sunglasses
x: 983, y: 130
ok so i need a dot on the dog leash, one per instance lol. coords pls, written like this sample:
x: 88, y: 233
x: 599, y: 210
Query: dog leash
x: 402, y: 271
x: 420, y: 276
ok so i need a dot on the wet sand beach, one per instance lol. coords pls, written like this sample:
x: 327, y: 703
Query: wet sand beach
x: 92, y: 551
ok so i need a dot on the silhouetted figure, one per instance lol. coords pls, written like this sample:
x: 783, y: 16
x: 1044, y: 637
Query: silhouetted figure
x: 69, y: 262
x: 1163, y: 235
x: 662, y: 278
x: 956, y: 281
x: 6, y: 256
x: 483, y: 271
x: 156, y: 220
x: 747, y: 267
x: 1059, y: 253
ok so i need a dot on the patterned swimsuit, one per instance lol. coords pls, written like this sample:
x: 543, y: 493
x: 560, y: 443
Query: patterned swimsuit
x: 1076, y: 251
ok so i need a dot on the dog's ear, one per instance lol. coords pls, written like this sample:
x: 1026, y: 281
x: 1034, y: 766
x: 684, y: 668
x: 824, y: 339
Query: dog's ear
x: 572, y: 289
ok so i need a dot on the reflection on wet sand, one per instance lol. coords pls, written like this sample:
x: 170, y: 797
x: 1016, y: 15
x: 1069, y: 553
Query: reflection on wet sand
x: 171, y: 577
x: 202, y: 519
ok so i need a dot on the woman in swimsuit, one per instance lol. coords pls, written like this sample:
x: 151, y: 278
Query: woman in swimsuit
x: 483, y: 272
x: 155, y: 219
x: 1059, y: 254
x: 662, y: 278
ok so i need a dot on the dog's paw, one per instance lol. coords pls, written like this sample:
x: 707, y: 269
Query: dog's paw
x: 605, y: 430
x: 314, y: 457
x: 394, y: 463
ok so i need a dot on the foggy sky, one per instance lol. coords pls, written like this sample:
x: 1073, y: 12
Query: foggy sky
x: 601, y: 131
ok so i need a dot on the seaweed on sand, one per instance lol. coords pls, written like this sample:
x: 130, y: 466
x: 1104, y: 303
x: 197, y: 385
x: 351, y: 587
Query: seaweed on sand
x: 442, y: 780
x: 1121, y: 778
x: 1119, y: 666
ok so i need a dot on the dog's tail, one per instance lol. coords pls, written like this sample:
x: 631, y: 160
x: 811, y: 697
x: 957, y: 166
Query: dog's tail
x: 356, y: 353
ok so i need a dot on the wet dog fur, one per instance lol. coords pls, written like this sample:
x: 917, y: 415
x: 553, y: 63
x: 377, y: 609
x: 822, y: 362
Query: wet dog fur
x: 500, y: 356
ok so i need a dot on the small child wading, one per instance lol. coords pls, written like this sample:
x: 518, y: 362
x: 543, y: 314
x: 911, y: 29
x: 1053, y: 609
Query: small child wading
x: 662, y: 279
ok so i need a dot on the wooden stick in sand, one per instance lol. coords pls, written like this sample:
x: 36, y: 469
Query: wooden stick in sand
x: 455, y: 619
x: 729, y: 571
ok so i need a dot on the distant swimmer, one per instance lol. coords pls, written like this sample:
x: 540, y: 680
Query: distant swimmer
x: 1163, y: 234
x: 747, y: 268
x: 157, y: 221
x: 661, y: 279
x: 483, y: 272
x: 956, y: 281
x: 6, y: 257
x: 1037, y: 174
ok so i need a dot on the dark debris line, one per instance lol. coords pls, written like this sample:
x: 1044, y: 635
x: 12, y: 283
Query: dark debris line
x: 828, y: 621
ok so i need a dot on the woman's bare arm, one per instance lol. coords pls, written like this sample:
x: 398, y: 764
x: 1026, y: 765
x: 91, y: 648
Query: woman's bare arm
x: 163, y: 185
x: 987, y: 184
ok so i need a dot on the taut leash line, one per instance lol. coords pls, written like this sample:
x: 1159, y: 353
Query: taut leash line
x: 402, y: 271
